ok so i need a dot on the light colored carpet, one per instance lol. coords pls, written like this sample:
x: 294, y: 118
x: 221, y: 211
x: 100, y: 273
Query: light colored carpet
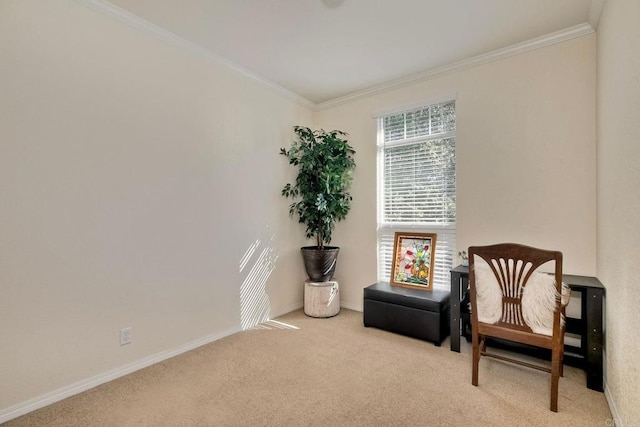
x: 302, y: 371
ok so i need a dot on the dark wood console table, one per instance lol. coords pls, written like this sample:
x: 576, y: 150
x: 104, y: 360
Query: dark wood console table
x: 589, y: 327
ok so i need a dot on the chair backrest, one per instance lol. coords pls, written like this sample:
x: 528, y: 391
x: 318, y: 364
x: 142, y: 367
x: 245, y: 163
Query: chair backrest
x: 509, y: 268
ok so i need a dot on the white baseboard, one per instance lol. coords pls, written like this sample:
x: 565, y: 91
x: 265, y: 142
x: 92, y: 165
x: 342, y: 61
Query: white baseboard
x: 41, y: 401
x: 350, y: 306
x: 300, y: 305
x: 83, y: 385
x: 287, y: 309
x: 617, y: 420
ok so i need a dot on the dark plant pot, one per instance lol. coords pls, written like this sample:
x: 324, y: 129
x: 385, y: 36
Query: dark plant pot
x: 320, y: 264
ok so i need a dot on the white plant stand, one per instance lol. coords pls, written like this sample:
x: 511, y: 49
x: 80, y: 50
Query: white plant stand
x: 321, y: 299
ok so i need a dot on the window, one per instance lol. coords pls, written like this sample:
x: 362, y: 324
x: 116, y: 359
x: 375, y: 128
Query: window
x: 417, y: 183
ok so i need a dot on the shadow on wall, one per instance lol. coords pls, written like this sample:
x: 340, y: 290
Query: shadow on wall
x: 254, y: 301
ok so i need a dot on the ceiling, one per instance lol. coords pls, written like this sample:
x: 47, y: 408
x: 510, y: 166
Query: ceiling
x: 323, y: 54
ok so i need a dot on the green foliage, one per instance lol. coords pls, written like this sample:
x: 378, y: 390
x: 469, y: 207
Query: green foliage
x: 325, y: 162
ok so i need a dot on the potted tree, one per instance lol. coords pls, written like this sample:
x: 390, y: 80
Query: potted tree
x: 320, y: 193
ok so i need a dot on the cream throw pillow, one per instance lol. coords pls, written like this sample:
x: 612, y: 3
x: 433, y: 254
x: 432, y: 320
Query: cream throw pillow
x: 488, y: 294
x: 538, y: 299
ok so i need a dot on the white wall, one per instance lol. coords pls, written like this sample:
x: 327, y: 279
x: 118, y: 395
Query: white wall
x: 134, y: 177
x: 618, y: 228
x: 526, y: 166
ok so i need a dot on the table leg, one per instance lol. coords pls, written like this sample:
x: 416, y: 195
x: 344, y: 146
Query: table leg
x: 454, y: 302
x: 595, y: 341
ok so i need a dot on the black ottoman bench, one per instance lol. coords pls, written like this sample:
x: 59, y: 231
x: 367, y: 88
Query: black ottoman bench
x: 418, y: 313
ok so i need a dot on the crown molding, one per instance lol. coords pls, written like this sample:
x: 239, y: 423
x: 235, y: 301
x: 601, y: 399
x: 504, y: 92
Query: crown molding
x: 108, y: 9
x: 594, y: 13
x: 134, y: 21
x: 496, y: 55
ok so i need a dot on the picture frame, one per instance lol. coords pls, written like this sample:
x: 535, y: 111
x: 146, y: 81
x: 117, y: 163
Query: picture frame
x: 413, y: 259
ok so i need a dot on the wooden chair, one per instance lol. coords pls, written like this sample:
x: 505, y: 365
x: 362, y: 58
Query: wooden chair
x: 511, y: 267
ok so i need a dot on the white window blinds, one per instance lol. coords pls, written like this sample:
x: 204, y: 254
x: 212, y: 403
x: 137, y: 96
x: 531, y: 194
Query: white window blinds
x: 417, y: 183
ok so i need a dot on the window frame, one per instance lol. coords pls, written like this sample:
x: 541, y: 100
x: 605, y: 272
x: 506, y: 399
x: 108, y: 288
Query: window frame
x: 446, y: 230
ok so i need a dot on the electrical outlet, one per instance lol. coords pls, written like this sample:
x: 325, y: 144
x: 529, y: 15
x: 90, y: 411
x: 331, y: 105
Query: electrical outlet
x: 126, y: 335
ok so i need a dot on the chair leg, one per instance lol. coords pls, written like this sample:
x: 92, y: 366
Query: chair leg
x: 562, y: 353
x: 556, y: 358
x: 475, y: 359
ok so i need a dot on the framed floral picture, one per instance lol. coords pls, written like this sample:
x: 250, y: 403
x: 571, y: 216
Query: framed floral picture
x: 413, y: 259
